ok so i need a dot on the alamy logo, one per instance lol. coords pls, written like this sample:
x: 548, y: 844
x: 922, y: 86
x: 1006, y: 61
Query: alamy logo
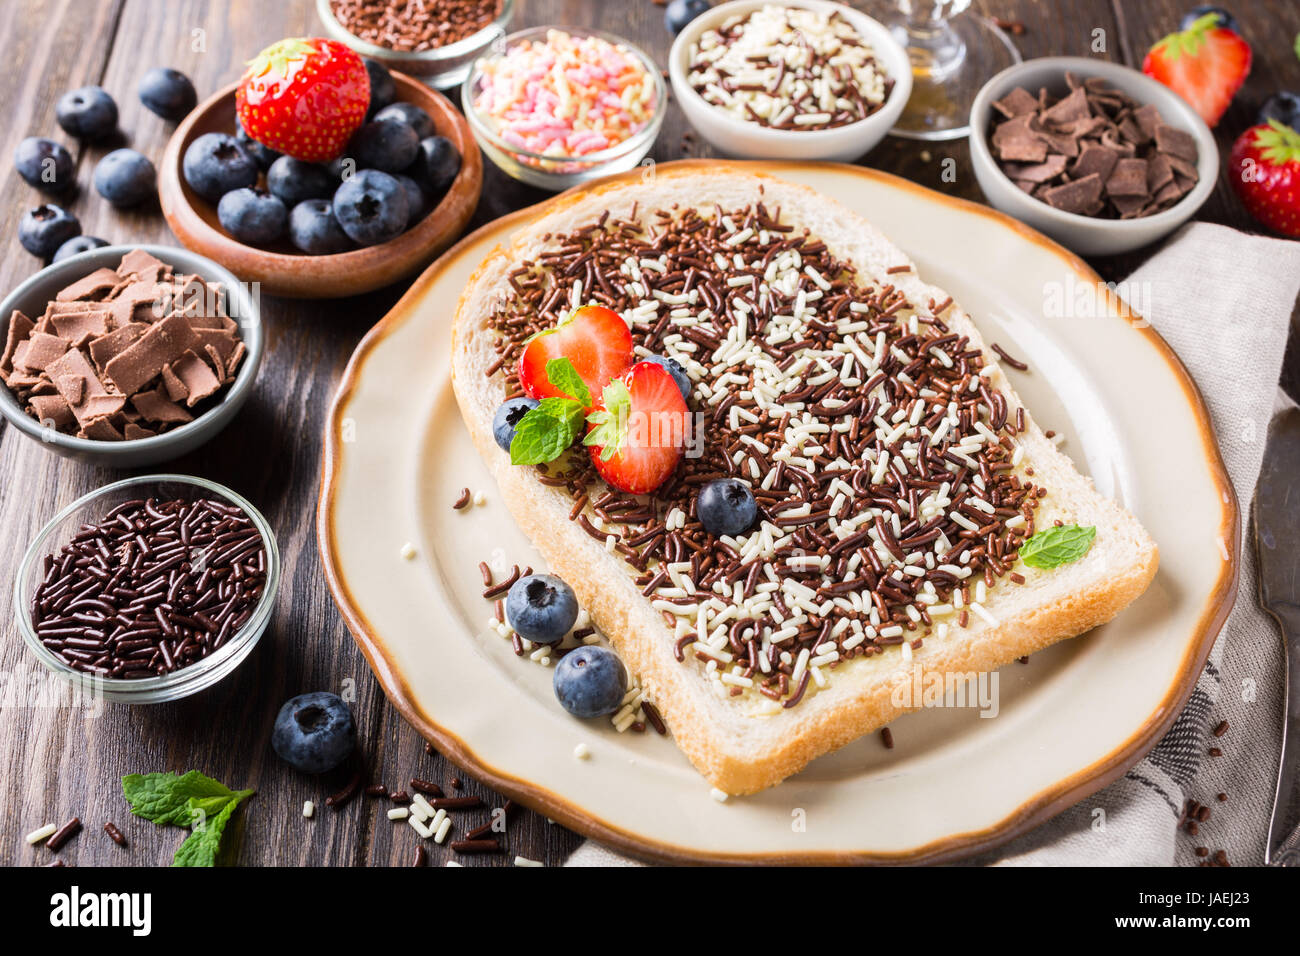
x: 952, y: 689
x: 76, y: 909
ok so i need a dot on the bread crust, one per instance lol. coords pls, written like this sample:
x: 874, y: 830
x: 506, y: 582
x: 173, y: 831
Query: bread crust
x: 733, y: 747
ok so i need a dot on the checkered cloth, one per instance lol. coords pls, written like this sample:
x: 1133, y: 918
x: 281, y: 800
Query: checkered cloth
x: 1223, y: 300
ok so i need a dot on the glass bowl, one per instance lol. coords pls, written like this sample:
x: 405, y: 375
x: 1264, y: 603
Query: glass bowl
x: 442, y: 67
x: 92, y: 508
x: 561, y: 172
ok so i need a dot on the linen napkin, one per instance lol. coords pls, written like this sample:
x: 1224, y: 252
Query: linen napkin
x: 1223, y: 301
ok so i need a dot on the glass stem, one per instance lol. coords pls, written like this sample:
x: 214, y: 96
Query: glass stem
x: 934, y: 48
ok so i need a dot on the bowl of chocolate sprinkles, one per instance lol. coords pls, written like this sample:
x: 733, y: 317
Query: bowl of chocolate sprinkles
x: 148, y: 589
x: 433, y: 40
x: 1095, y: 155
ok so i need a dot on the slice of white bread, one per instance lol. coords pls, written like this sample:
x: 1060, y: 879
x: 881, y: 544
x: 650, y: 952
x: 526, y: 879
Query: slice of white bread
x: 738, y: 744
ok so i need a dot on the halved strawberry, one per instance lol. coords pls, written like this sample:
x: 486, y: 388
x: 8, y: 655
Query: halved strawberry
x: 597, y: 342
x: 638, y: 429
x: 1265, y: 170
x: 304, y: 97
x: 1204, y: 64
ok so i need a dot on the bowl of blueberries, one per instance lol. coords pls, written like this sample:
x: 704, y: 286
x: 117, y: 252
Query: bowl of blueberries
x: 325, y: 222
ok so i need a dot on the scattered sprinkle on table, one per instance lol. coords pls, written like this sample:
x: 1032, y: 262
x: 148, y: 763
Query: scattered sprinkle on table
x: 308, y: 808
x: 114, y: 834
x: 408, y: 551
x: 39, y: 834
x: 719, y: 795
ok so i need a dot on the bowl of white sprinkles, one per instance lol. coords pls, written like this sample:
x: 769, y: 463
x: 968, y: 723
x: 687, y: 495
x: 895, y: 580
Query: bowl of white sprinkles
x: 812, y: 80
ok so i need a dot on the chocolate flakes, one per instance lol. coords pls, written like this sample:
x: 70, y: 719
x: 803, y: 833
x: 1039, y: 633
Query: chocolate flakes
x: 1095, y: 152
x: 123, y: 353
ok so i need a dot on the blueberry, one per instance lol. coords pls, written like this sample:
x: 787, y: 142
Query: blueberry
x: 675, y: 369
x: 509, y: 414
x: 371, y: 207
x: 382, y: 88
x: 590, y: 682
x: 1225, y: 18
x: 264, y: 155
x: 411, y: 115
x: 215, y: 163
x: 415, y: 200
x: 726, y: 506
x: 1283, y: 107
x: 387, y: 145
x: 441, y: 163
x: 88, y: 113
x: 252, y: 216
x: 314, y: 732
x: 541, y: 608
x: 681, y: 12
x: 44, y: 164
x: 78, y: 244
x: 294, y: 181
x: 167, y: 92
x: 125, y: 178
x: 314, y: 230
x: 43, y: 229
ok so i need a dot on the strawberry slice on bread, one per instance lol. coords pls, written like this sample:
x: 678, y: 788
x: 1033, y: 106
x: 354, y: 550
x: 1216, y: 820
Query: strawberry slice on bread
x: 638, y: 429
x: 595, y: 339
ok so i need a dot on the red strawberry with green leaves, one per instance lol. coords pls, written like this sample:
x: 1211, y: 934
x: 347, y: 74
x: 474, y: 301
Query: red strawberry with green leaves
x: 1204, y: 64
x: 594, y: 339
x: 1265, y: 170
x: 638, y: 429
x: 304, y: 97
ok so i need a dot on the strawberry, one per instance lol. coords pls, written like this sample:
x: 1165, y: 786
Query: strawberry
x: 304, y: 97
x: 1265, y: 170
x: 597, y: 342
x: 638, y: 429
x: 1204, y: 64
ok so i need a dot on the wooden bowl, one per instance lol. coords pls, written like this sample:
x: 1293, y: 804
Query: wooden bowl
x: 284, y: 270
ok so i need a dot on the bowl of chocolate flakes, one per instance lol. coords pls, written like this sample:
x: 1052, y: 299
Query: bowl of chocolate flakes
x: 1096, y: 155
x: 128, y: 356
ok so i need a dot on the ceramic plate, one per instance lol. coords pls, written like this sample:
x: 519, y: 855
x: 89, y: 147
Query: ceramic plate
x: 1071, y: 720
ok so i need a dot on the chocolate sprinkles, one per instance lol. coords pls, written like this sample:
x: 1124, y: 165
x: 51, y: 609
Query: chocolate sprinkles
x: 882, y: 460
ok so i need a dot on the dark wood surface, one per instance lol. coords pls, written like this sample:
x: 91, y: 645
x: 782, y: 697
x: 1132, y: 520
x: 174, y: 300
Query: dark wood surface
x: 58, y: 762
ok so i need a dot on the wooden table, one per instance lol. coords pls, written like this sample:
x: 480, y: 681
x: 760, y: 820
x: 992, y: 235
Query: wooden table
x: 56, y: 762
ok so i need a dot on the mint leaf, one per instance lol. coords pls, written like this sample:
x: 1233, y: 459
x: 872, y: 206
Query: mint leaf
x: 1053, y: 547
x: 561, y: 373
x: 610, y: 432
x: 186, y: 800
x: 164, y: 797
x: 545, y: 432
x: 203, y: 846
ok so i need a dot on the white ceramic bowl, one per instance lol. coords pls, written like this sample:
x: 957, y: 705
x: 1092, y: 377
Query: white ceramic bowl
x: 1087, y: 235
x: 743, y: 139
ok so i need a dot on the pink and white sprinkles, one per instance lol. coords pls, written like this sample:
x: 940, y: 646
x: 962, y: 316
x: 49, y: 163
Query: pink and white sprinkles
x: 566, y: 96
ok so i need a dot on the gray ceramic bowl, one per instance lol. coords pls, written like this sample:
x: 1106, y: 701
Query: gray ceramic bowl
x: 31, y: 298
x: 1084, y: 234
